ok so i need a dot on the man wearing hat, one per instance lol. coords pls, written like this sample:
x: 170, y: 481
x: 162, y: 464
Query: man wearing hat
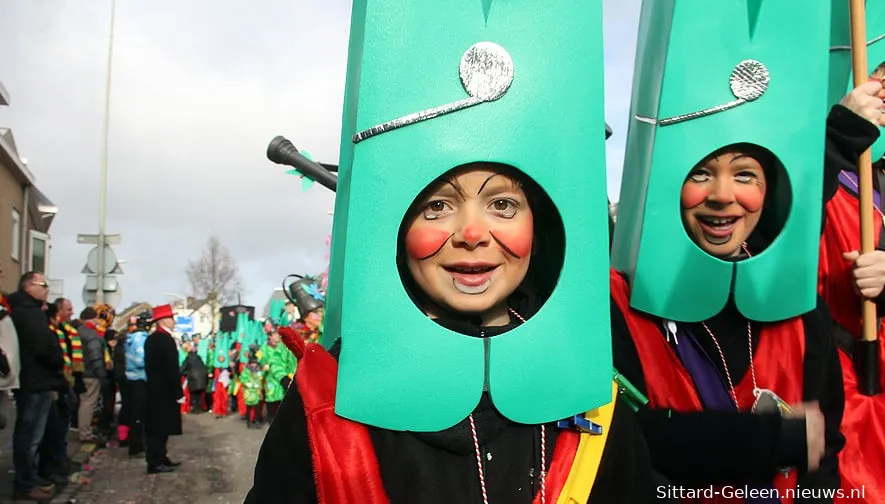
x: 163, y: 417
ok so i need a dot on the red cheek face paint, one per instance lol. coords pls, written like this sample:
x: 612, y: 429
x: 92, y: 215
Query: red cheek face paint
x: 693, y: 194
x: 423, y: 242
x: 517, y: 238
x: 751, y: 197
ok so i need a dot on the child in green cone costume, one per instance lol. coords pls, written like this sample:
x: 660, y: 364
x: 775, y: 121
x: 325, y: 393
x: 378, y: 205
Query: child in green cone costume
x: 252, y: 381
x: 715, y: 313
x: 279, y: 366
x: 471, y: 187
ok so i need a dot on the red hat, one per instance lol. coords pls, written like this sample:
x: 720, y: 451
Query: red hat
x: 162, y: 311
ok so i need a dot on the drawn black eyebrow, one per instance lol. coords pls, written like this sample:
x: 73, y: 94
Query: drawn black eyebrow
x: 483, y: 186
x: 458, y: 189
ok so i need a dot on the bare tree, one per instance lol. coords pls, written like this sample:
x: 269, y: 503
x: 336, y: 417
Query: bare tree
x: 215, y: 277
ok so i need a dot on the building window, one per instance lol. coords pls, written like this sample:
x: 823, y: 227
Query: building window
x: 39, y: 258
x: 16, y: 233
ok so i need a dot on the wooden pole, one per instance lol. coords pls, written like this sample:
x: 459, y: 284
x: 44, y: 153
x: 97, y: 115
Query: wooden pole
x: 866, y: 350
x: 865, y: 167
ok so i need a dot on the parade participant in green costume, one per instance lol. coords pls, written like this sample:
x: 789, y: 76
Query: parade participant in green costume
x: 714, y: 314
x: 252, y: 378
x: 846, y: 276
x: 278, y: 364
x: 471, y: 186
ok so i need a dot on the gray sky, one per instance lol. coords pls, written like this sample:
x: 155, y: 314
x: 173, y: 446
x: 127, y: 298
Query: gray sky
x: 199, y: 89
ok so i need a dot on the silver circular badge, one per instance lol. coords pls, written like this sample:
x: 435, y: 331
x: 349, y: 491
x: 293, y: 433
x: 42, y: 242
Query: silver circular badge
x: 486, y: 71
x: 749, y: 80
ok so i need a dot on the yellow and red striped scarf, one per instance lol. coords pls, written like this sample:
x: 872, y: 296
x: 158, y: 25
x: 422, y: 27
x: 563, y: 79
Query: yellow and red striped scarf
x: 76, y: 347
x: 63, y: 343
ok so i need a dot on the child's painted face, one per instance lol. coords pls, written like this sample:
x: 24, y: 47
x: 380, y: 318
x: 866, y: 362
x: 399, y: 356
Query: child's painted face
x: 722, y: 202
x: 314, y: 318
x: 469, y: 245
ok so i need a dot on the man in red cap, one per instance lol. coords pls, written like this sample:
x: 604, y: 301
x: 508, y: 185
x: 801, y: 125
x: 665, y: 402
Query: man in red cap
x: 163, y: 418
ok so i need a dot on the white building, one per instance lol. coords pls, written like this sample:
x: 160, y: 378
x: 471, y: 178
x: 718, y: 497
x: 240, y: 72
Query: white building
x: 201, y: 312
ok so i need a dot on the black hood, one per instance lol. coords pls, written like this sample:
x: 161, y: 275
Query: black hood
x: 543, y: 273
x: 778, y: 195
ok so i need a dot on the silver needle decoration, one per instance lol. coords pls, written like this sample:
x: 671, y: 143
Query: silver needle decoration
x: 749, y: 80
x: 486, y: 72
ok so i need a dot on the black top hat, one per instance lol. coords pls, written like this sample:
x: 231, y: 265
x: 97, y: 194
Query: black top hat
x: 304, y: 293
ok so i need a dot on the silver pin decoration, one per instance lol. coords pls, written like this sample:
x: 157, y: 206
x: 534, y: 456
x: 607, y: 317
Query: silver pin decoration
x: 749, y: 80
x: 486, y: 72
x: 848, y: 47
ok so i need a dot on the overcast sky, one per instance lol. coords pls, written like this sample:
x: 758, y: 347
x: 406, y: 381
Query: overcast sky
x: 199, y: 88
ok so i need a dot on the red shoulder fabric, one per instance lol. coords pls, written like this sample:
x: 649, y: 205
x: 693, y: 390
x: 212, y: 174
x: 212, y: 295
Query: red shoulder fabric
x: 346, y: 468
x: 835, y: 285
x: 862, y: 460
x: 778, y: 361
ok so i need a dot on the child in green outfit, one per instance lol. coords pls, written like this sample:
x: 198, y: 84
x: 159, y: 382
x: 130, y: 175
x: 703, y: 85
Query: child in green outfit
x: 252, y: 380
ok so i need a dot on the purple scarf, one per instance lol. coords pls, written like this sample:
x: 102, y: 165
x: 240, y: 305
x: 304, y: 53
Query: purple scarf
x: 712, y: 389
x: 850, y: 181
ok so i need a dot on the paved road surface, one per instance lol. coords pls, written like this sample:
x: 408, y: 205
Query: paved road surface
x: 218, y: 458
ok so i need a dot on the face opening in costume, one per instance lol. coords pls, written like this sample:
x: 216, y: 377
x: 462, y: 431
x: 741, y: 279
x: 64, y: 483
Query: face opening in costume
x: 468, y: 241
x: 723, y: 198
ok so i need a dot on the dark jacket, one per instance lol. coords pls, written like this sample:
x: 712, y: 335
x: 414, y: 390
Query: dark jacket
x: 119, y: 358
x: 40, y: 353
x: 163, y: 385
x: 195, y: 371
x: 93, y: 353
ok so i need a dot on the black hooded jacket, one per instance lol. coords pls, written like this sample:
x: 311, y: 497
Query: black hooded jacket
x: 41, y: 357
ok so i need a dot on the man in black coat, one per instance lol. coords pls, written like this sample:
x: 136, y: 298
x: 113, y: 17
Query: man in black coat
x: 163, y: 418
x: 41, y: 377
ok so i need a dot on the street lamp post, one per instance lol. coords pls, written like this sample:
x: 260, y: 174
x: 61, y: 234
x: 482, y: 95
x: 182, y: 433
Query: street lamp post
x: 103, y: 184
x: 175, y: 295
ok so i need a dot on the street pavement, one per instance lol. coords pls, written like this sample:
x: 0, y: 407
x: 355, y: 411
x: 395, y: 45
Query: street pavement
x: 217, y: 455
x: 217, y: 461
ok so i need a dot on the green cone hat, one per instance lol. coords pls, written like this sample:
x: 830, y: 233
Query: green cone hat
x: 704, y: 79
x: 841, y: 74
x: 436, y: 85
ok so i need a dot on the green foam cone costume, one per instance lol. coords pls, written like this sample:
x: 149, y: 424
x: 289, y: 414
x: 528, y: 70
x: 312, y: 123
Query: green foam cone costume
x: 841, y: 74
x: 694, y: 93
x: 436, y: 85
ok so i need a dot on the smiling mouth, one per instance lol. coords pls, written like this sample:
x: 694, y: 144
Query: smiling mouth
x: 717, y: 230
x: 471, y: 279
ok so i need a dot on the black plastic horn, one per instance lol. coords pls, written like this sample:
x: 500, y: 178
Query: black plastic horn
x: 281, y: 151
